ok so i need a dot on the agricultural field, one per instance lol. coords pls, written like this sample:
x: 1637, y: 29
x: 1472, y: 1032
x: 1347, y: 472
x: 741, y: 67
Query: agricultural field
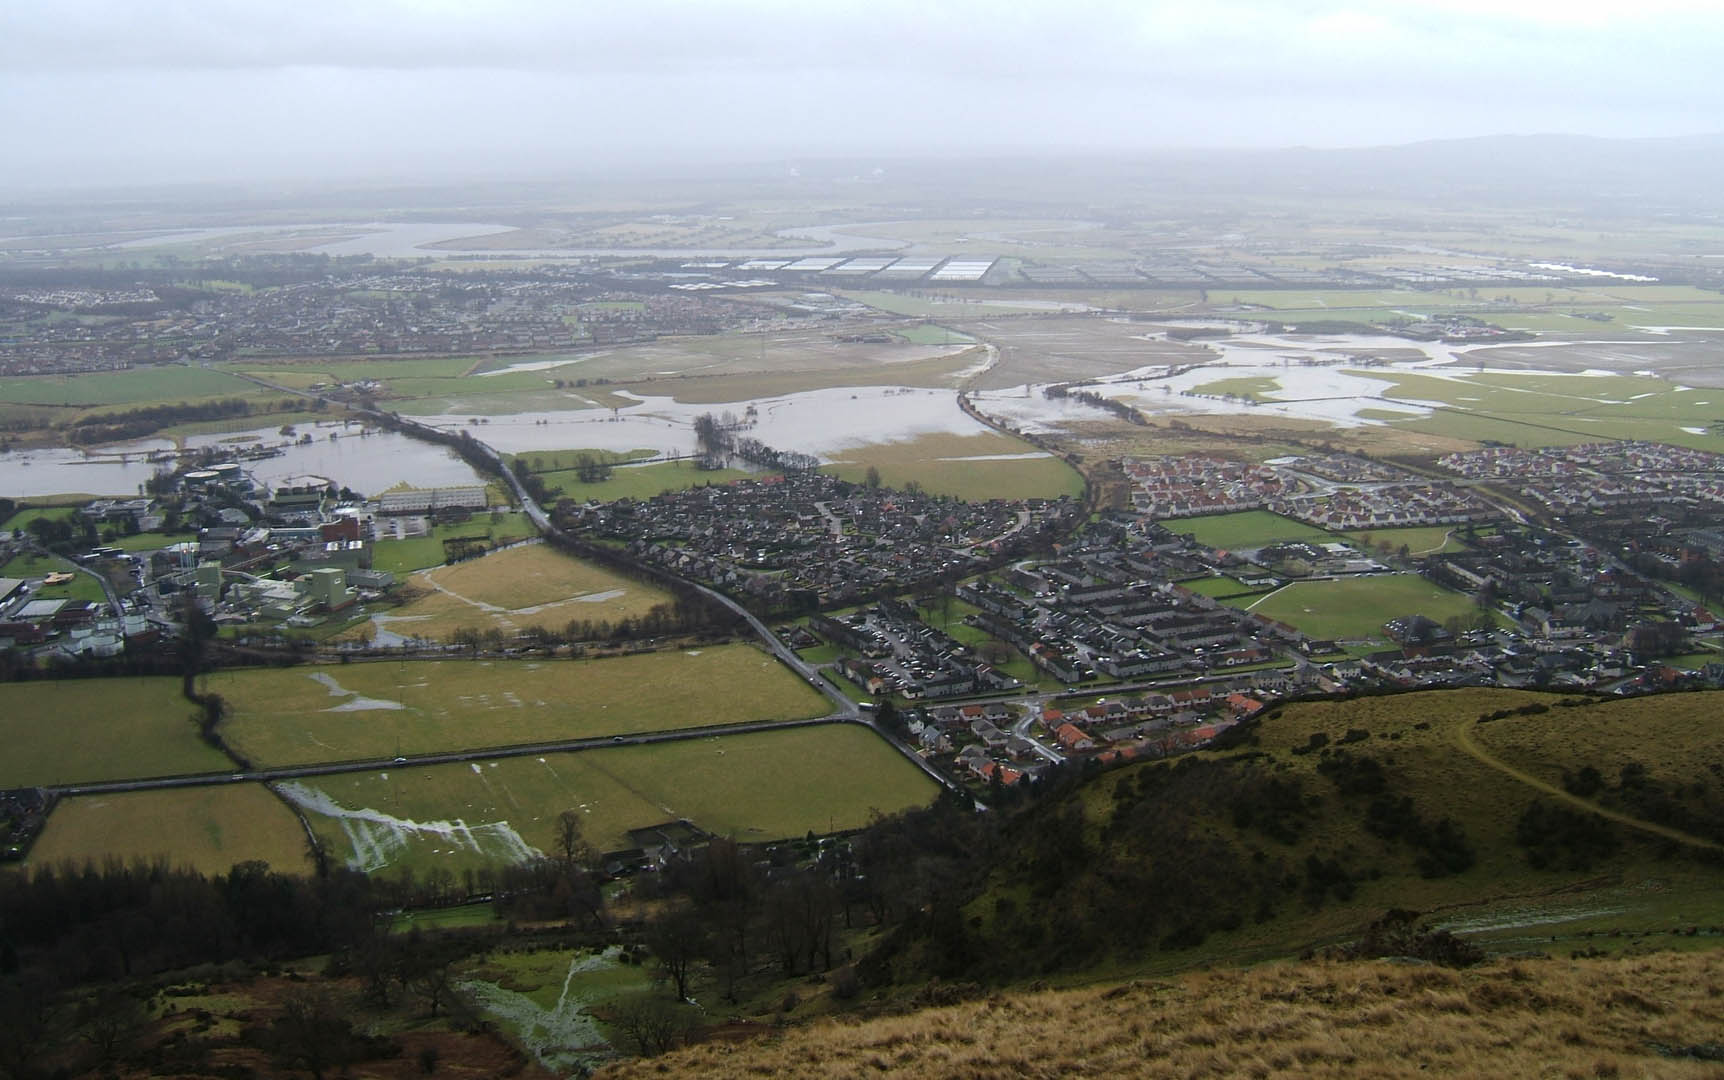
x: 972, y: 467
x: 379, y: 710
x: 530, y: 585
x: 1357, y: 608
x: 1547, y: 409
x: 419, y: 552
x: 756, y: 787
x: 931, y: 366
x: 207, y: 828
x: 1245, y: 530
x: 64, y: 731
x: 1073, y: 349
x: 138, y: 386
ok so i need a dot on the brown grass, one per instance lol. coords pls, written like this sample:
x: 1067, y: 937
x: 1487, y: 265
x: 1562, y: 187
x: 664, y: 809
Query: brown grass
x: 1528, y: 1017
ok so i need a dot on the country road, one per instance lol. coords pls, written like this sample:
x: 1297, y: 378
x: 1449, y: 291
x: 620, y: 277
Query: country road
x: 1463, y: 738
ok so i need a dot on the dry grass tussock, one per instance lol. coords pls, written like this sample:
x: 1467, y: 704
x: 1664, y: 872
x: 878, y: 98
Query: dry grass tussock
x: 1660, y: 1015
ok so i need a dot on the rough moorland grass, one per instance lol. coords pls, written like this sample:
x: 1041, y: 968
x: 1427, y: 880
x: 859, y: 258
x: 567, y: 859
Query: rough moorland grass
x: 68, y: 730
x: 1675, y: 736
x: 953, y: 465
x: 208, y: 829
x: 1248, y: 529
x: 1531, y: 1017
x: 765, y: 786
x: 419, y: 552
x: 1358, y: 607
x: 294, y: 715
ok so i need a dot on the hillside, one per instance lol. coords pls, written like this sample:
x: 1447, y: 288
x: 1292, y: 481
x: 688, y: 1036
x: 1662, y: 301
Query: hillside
x: 1654, y: 1015
x: 1524, y: 819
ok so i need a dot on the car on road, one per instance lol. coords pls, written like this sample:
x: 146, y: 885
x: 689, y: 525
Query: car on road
x: 400, y: 761
x: 618, y: 738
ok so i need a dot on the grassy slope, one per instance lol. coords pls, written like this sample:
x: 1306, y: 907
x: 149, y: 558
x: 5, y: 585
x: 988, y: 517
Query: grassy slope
x: 1649, y: 884
x: 1522, y: 1018
x: 209, y: 829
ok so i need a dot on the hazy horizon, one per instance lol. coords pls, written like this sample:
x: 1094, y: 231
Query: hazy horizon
x: 396, y: 91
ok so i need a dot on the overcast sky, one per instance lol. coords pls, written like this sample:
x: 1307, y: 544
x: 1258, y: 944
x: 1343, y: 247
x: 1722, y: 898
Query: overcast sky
x: 98, y: 92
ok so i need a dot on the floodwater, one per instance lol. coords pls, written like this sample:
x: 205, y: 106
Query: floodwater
x: 367, y: 463
x: 393, y: 240
x: 819, y: 422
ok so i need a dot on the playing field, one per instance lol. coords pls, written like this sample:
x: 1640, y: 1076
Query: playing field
x: 1350, y: 608
x: 380, y: 710
x: 208, y: 829
x: 1249, y: 529
x: 68, y: 730
x: 765, y: 786
x: 641, y: 481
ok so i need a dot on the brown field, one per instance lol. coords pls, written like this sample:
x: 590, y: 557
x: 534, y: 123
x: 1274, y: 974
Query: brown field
x: 946, y: 465
x: 1524, y: 1017
x: 1067, y: 349
x: 208, y: 829
x: 527, y: 586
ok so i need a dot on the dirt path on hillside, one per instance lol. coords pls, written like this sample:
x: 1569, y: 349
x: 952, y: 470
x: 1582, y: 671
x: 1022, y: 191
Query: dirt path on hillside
x: 1462, y: 736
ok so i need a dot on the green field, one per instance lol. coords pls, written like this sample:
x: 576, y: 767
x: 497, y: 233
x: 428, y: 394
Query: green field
x: 1251, y: 388
x: 405, y: 556
x: 82, y: 587
x: 1222, y: 587
x: 642, y: 481
x: 1349, y: 608
x: 1557, y: 410
x: 137, y: 386
x: 209, y: 829
x: 379, y: 710
x: 67, y: 730
x: 1248, y: 529
x: 1431, y: 540
x: 765, y: 786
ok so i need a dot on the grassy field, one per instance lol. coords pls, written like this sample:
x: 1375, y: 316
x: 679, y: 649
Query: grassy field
x: 642, y: 481
x: 1358, y: 607
x: 419, y: 552
x: 1432, y: 540
x: 68, y: 730
x: 1557, y: 409
x: 82, y: 587
x: 960, y: 465
x: 378, y: 710
x: 1252, y: 388
x: 1223, y: 587
x: 549, y: 461
x: 1249, y: 529
x: 530, y: 585
x: 134, y: 387
x: 208, y: 829
x: 766, y: 786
